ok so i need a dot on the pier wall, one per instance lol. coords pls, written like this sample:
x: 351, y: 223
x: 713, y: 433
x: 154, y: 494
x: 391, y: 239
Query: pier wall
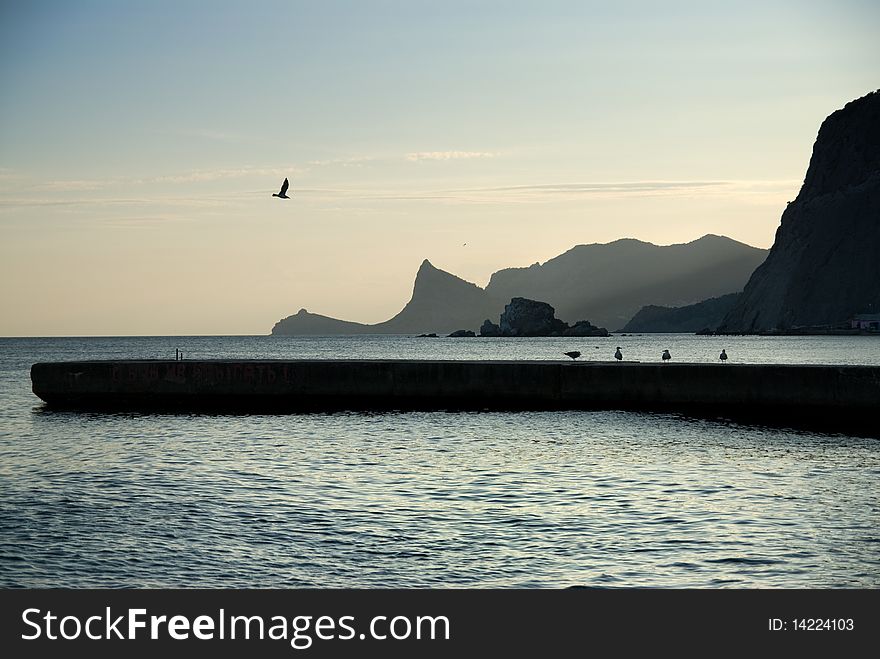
x: 839, y: 394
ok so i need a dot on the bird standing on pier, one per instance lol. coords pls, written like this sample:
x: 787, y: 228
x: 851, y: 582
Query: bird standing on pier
x: 283, y: 193
x: 666, y: 356
x: 723, y: 355
x: 574, y: 354
x: 618, y: 355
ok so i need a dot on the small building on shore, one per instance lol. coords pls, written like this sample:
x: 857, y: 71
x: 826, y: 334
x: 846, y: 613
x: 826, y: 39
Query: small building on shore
x: 867, y: 322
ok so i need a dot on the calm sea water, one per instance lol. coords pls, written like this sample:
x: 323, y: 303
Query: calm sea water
x: 430, y: 499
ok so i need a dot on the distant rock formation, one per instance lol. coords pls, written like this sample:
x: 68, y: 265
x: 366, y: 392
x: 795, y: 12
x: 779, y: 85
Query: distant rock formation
x: 304, y: 323
x: 458, y: 334
x: 584, y: 328
x: 523, y: 317
x: 705, y: 315
x: 488, y: 328
x: 609, y: 283
x: 606, y: 283
x: 440, y: 302
x: 824, y: 266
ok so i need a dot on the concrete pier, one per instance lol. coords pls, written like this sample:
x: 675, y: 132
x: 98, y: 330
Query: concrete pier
x: 838, y: 397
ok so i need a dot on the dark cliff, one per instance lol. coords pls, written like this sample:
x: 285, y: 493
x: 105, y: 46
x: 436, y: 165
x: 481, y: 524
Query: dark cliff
x: 824, y: 266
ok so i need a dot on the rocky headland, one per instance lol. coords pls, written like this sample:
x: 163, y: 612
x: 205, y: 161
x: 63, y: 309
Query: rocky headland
x: 703, y: 316
x: 824, y: 266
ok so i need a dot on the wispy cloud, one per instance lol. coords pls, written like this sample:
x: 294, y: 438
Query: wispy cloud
x: 617, y: 186
x: 353, y: 161
x: 79, y: 185
x: 137, y: 191
x: 29, y: 185
x: 556, y: 192
x: 12, y: 203
x: 143, y: 222
x: 448, y: 155
x: 620, y: 189
x: 202, y: 175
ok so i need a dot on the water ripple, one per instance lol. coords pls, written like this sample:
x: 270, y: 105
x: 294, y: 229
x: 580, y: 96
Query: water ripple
x: 421, y: 499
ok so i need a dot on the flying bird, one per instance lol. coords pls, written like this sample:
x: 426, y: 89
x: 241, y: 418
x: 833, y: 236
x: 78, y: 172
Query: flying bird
x: 618, y: 355
x: 723, y: 355
x: 283, y: 193
x: 666, y: 356
x: 574, y: 354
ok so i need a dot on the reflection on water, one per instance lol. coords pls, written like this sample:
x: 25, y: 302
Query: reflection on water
x: 636, y: 347
x: 421, y: 499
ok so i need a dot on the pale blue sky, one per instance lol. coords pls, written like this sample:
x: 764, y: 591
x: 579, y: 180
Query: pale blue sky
x: 140, y: 143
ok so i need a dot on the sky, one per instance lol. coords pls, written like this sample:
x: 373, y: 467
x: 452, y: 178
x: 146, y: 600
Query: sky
x: 140, y: 144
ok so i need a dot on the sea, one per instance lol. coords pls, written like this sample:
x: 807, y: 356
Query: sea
x: 603, y: 499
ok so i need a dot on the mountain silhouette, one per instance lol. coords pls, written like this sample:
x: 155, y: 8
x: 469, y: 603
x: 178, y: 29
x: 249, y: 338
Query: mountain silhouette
x: 708, y: 314
x: 605, y: 284
x: 441, y: 302
x: 608, y: 283
x: 304, y: 323
x: 824, y: 266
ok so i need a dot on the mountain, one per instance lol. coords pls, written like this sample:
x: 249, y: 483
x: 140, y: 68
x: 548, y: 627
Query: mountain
x: 605, y: 284
x: 708, y: 314
x: 441, y: 302
x: 304, y: 323
x: 824, y: 266
x: 608, y: 283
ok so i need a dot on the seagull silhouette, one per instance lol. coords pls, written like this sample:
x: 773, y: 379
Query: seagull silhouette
x: 666, y: 356
x: 574, y: 354
x: 618, y: 355
x: 283, y: 193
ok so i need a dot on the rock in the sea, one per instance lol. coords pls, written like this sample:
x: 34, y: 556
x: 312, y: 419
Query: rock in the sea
x: 488, y: 328
x: 585, y: 328
x: 457, y: 334
x: 524, y: 317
